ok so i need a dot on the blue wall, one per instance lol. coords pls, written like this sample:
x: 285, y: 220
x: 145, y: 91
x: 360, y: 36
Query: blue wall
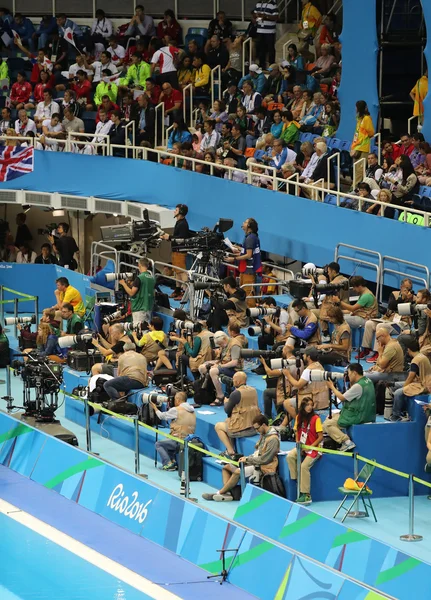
x: 359, y: 74
x: 426, y: 130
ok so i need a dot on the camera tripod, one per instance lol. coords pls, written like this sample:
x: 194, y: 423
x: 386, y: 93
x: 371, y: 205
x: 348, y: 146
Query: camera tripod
x: 205, y: 267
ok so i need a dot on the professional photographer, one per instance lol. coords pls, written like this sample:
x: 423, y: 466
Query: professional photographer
x: 153, y: 340
x: 65, y: 246
x: 306, y: 331
x: 47, y: 343
x: 132, y: 373
x: 274, y: 328
x: 234, y: 331
x: 228, y: 361
x: 418, y: 381
x: 262, y: 462
x: 334, y: 277
x: 405, y: 294
x: 420, y: 327
x: 366, y: 307
x: 390, y: 363
x: 359, y: 406
x: 284, y: 389
x: 249, y: 258
x: 196, y: 348
x: 317, y: 390
x: 241, y: 408
x: 74, y: 324
x: 4, y: 349
x: 66, y: 293
x: 230, y: 310
x: 110, y: 351
x: 183, y: 423
x: 339, y: 349
x: 181, y: 231
x: 141, y: 293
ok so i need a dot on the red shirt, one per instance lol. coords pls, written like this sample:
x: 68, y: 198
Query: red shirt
x: 82, y: 90
x: 21, y: 92
x: 173, y: 30
x: 39, y: 88
x: 155, y: 95
x: 170, y: 101
x: 311, y: 431
x: 407, y: 151
x: 110, y: 111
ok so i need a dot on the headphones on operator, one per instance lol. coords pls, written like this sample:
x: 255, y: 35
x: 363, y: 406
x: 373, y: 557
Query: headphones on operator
x: 182, y: 209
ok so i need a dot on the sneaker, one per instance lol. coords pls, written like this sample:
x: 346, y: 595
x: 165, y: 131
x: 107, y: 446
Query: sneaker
x: 347, y: 445
x: 394, y: 419
x: 427, y: 468
x: 405, y: 418
x: 325, y: 338
x: 223, y: 497
x: 208, y: 496
x: 304, y: 499
x: 226, y: 454
x: 170, y: 466
x: 373, y: 358
x: 362, y: 354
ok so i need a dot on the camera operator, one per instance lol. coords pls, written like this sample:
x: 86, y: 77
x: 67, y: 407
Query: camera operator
x: 46, y: 257
x: 263, y: 461
x: 183, y: 423
x: 241, y: 408
x: 317, y: 390
x: 65, y: 246
x: 306, y: 330
x: 405, y: 294
x: 132, y: 373
x: 141, y: 293
x: 153, y: 340
x: 390, y: 363
x: 181, y: 231
x: 284, y: 389
x: 366, y: 306
x: 4, y: 349
x: 66, y: 293
x: 195, y: 347
x: 249, y: 258
x: 418, y: 381
x: 226, y: 364
x: 110, y: 351
x: 359, y: 406
x: 420, y: 327
x: 234, y: 331
x: 235, y: 307
x: 274, y: 329
x: 333, y: 273
x: 74, y: 324
x: 339, y: 349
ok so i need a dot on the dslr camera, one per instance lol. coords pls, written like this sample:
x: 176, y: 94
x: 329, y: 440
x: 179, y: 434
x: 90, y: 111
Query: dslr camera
x: 410, y: 309
x: 67, y: 341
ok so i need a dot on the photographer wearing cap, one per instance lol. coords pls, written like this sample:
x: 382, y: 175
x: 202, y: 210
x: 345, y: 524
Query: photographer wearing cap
x: 74, y: 324
x: 141, y: 293
x: 359, y: 406
x: 132, y: 373
x: 306, y: 330
x: 181, y: 231
x: 228, y: 361
x: 274, y: 329
x: 153, y: 340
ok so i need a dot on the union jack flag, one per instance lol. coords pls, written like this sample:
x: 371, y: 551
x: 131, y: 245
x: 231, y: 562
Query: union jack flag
x: 15, y: 161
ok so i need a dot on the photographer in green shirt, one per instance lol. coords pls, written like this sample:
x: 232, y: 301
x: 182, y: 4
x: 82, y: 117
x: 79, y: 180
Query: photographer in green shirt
x: 141, y: 293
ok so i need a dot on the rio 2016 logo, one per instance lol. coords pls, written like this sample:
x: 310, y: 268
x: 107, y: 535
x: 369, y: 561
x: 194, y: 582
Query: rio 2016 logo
x: 129, y: 507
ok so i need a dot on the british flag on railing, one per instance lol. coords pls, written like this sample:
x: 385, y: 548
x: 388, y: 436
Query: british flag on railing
x: 15, y: 161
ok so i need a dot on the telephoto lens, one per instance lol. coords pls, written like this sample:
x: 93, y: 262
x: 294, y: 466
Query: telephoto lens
x: 66, y: 341
x: 254, y: 330
x: 115, y: 315
x: 183, y: 324
x: 114, y: 276
x: 20, y: 320
x: 282, y: 363
x: 318, y: 375
x: 260, y: 312
x: 153, y: 397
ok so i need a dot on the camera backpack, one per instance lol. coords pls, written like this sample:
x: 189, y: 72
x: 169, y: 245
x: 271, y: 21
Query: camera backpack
x: 271, y: 482
x: 204, y: 395
x: 196, y: 468
x: 148, y: 416
x: 98, y: 394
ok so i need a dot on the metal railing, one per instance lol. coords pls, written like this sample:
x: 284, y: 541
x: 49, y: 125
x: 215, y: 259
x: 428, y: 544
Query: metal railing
x: 248, y: 43
x: 359, y: 164
x: 336, y: 157
x: 21, y: 297
x: 17, y: 138
x: 75, y: 138
x: 378, y: 138
x: 409, y: 124
x: 361, y: 261
x: 285, y: 48
x: 385, y: 269
x: 214, y: 81
x: 188, y: 97
x: 160, y: 108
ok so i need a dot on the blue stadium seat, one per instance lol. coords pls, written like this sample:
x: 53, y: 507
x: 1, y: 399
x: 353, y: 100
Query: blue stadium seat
x: 302, y: 137
x: 422, y: 202
x: 89, y: 125
x: 425, y: 191
x: 199, y: 34
x: 345, y: 145
x: 375, y: 149
x: 89, y: 115
x: 334, y: 143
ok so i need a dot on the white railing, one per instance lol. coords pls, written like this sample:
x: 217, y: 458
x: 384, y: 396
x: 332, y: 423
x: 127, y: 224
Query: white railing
x: 285, y: 49
x: 378, y: 138
x: 217, y: 69
x: 188, y: 94
x: 130, y: 126
x: 16, y: 138
x: 160, y: 108
x: 359, y: 164
x: 409, y: 124
x: 81, y: 140
x: 335, y: 157
x: 248, y: 43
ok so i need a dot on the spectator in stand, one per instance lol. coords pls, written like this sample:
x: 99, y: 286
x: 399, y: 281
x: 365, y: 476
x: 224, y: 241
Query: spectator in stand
x: 220, y: 27
x: 82, y: 89
x: 137, y: 74
x: 46, y: 257
x: 172, y: 100
x: 324, y: 64
x: 362, y: 138
x: 418, y: 94
x: 219, y: 114
x: 165, y: 59
x: 105, y: 88
x: 101, y: 31
x: 211, y: 136
x: 328, y: 33
x: 262, y: 125
x: 153, y: 91
x: 57, y: 51
x: 71, y: 122
x: 180, y: 132
x: 6, y: 122
x: 274, y: 82
x: 66, y: 248
x: 25, y: 254
x: 116, y: 51
x: 242, y: 120
x: 233, y: 69
x: 424, y: 170
x: 321, y: 169
x: 46, y: 108
x: 25, y: 29
x: 98, y: 66
x: 169, y: 27
x: 391, y: 150
x: 335, y: 84
x: 141, y: 24
x: 291, y: 129
x: 67, y: 294
x: 237, y: 176
x: 192, y: 49
x: 404, y: 190
x: 201, y: 85
x: 417, y: 158
x: 277, y: 125
x: 298, y: 102
x: 143, y: 113
x: 72, y: 73
x: 137, y: 46
x: 43, y: 84
x: 64, y: 23
x: 232, y: 98
x: 45, y: 31
x: 23, y: 234
x: 52, y: 130
x: 327, y: 122
x: 235, y: 148
x: 382, y: 211
x: 406, y: 146
x: 279, y: 155
x: 217, y: 55
x: 266, y: 17
x: 21, y: 92
x: 251, y: 100
x: 186, y: 72
x: 24, y: 125
x: 126, y: 103
x: 256, y: 77
x: 39, y: 61
x: 103, y: 127
x: 294, y: 59
x: 117, y: 134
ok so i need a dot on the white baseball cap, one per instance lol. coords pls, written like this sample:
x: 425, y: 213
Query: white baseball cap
x: 255, y: 69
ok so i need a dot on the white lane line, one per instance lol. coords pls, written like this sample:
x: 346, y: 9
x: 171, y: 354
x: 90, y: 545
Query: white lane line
x: 92, y: 556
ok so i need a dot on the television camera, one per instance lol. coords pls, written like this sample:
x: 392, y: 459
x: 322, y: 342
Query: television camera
x: 206, y: 240
x: 136, y: 236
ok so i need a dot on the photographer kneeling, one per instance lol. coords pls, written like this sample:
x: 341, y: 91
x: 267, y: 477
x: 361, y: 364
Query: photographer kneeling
x: 183, y: 423
x: 359, y: 406
x: 228, y: 363
x: 261, y: 462
x: 132, y: 373
x: 110, y: 351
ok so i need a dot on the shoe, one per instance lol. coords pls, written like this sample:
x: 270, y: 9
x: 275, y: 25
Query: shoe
x: 259, y: 370
x: 362, y: 354
x: 223, y: 497
x: 304, y: 499
x: 405, y: 418
x: 347, y: 445
x: 373, y: 358
x: 325, y: 338
x: 427, y: 468
x: 394, y: 419
x: 208, y: 496
x: 170, y: 466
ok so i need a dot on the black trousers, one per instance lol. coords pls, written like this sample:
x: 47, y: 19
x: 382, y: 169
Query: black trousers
x: 265, y: 46
x: 265, y: 340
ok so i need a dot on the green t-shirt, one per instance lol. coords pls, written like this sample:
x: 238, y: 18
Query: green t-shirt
x: 366, y: 300
x: 74, y: 325
x: 143, y: 300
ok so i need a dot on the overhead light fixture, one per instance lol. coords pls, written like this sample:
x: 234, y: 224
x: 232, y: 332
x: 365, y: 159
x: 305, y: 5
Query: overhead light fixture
x: 114, y: 215
x: 26, y: 207
x: 58, y: 213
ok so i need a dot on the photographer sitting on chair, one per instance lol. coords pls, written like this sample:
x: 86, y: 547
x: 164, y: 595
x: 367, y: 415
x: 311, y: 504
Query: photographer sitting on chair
x: 359, y: 406
x: 132, y: 373
x: 227, y: 363
x: 110, y: 351
x: 306, y: 331
x: 153, y: 340
x: 333, y: 274
x: 74, y: 324
x: 236, y: 305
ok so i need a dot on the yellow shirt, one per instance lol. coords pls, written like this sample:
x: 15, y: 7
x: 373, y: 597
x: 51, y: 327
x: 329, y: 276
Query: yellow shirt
x: 419, y: 92
x: 73, y: 297
x: 310, y: 15
x: 156, y: 336
x: 363, y: 134
x: 203, y: 76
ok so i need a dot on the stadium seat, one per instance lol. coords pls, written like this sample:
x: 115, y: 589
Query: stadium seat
x: 345, y: 145
x: 199, y: 34
x: 17, y: 64
x: 333, y: 143
x: 425, y: 191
